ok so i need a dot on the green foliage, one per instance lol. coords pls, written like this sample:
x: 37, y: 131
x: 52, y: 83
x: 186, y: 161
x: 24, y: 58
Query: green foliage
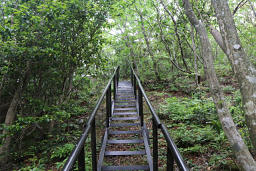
x: 62, y: 151
x: 36, y: 165
x: 70, y: 45
x: 189, y: 111
x: 56, y: 46
x: 195, y: 127
x: 228, y: 89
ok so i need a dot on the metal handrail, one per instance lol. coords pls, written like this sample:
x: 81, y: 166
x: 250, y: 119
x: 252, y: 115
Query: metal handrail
x: 79, y: 148
x: 172, y: 150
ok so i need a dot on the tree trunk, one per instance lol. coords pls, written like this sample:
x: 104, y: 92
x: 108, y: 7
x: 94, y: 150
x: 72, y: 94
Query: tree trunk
x: 240, y: 150
x: 3, y: 111
x: 195, y: 56
x: 254, y: 12
x: 149, y: 47
x: 11, y: 114
x: 243, y: 70
x: 166, y: 45
x: 129, y: 45
x: 177, y: 35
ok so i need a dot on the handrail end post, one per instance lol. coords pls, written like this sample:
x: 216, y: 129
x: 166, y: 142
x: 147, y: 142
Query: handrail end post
x: 155, y: 145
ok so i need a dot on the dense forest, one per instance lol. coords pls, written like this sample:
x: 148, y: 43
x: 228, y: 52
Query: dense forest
x: 195, y: 58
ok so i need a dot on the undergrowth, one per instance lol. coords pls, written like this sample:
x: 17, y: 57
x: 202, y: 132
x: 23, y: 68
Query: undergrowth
x: 194, y: 125
x: 37, y: 147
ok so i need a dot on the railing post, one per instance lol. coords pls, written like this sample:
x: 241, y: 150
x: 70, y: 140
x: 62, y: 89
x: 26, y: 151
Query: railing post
x: 140, y: 107
x: 155, y: 145
x: 170, y: 160
x: 118, y: 74
x: 131, y: 76
x: 115, y: 85
x: 110, y: 101
x: 81, y: 160
x: 134, y: 86
x: 93, y: 146
x: 108, y: 105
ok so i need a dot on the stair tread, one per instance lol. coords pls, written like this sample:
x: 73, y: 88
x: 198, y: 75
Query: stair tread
x: 125, y: 96
x: 125, y: 99
x: 124, y: 118
x: 131, y: 167
x: 125, y: 109
x: 125, y: 132
x: 129, y: 102
x: 124, y: 153
x: 124, y: 124
x: 128, y: 141
x: 125, y: 113
x: 125, y: 105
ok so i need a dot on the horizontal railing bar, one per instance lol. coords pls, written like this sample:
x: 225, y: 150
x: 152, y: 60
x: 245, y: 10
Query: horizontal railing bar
x: 73, y: 157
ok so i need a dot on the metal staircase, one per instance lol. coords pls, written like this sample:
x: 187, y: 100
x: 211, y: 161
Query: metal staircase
x: 126, y: 135
x: 125, y: 115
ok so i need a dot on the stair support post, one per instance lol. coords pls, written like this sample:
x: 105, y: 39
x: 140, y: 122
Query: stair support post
x: 108, y: 105
x: 134, y: 86
x: 118, y: 74
x: 155, y: 145
x: 170, y: 160
x: 93, y: 146
x: 81, y: 160
x: 140, y: 100
x: 131, y: 76
x: 114, y: 86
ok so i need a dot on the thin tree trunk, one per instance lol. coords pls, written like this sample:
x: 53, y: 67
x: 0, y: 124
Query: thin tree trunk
x: 254, y: 12
x: 218, y: 38
x: 177, y: 35
x: 148, y: 46
x: 243, y: 70
x: 128, y: 44
x: 195, y: 56
x: 240, y: 149
x: 70, y: 85
x: 11, y: 114
x: 240, y: 4
x: 163, y: 40
x: 2, y: 85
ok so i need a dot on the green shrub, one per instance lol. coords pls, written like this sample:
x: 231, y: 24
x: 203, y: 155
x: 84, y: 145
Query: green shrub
x: 62, y: 151
x: 189, y: 110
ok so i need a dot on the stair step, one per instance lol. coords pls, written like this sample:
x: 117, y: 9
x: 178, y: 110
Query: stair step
x: 129, y: 102
x: 124, y: 118
x: 125, y: 96
x: 125, y: 113
x: 124, y: 124
x: 125, y: 93
x: 125, y: 99
x: 132, y: 141
x: 124, y: 153
x: 125, y: 132
x: 119, y: 89
x: 125, y: 105
x: 125, y: 89
x: 131, y: 167
x: 125, y: 109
